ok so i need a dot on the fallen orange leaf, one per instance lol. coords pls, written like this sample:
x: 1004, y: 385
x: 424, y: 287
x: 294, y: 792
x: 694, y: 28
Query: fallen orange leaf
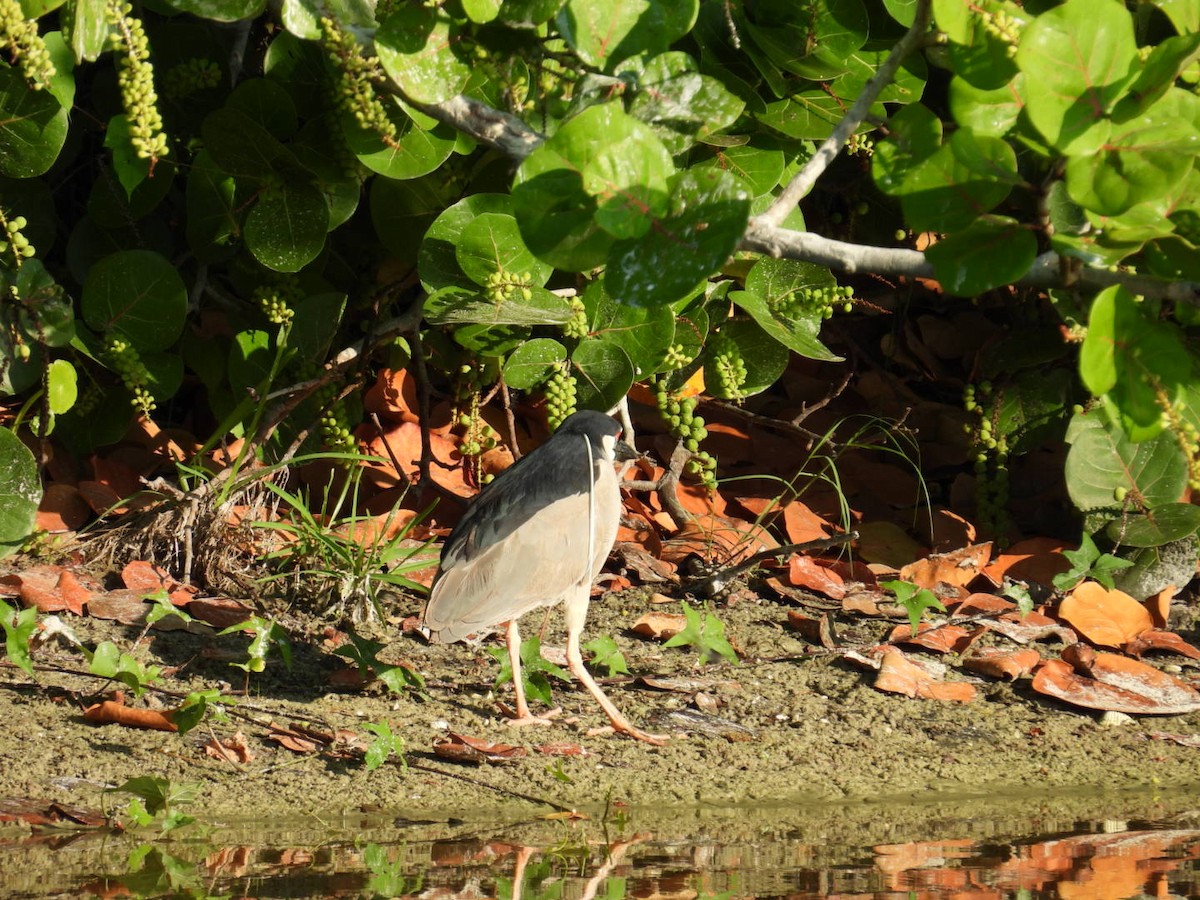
x: 1166, y: 641
x: 231, y: 749
x: 1116, y: 683
x: 957, y: 568
x: 942, y: 638
x: 999, y: 662
x: 803, y: 571
x: 660, y: 626
x: 1106, y: 618
x: 115, y: 711
x: 900, y: 675
x: 1036, y: 559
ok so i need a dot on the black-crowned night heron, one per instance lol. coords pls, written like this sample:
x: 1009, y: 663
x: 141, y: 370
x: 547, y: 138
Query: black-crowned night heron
x: 535, y: 537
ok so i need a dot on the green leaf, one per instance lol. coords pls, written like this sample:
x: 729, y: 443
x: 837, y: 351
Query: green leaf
x: 62, y: 387
x: 1103, y: 463
x: 975, y: 51
x: 416, y: 152
x: 769, y: 299
x: 602, y: 175
x: 417, y: 47
x: 1132, y: 357
x: 20, y: 491
x: 645, y: 333
x: 679, y: 103
x: 88, y: 29
x: 140, y: 295
x: 990, y: 113
x: 437, y: 260
x: 316, y: 320
x: 33, y: 127
x: 1078, y: 58
x: 705, y: 220
x: 250, y: 360
x: 915, y: 600
x: 605, y: 32
x: 1156, y: 527
x: 993, y: 251
x: 603, y: 374
x: 1086, y: 562
x: 759, y: 169
x: 19, y: 627
x: 491, y: 244
x: 212, y: 219
x: 461, y: 306
x: 533, y: 362
x: 607, y: 656
x: 286, y: 228
x: 221, y: 10
x: 704, y: 633
x: 243, y: 148
x: 1142, y: 158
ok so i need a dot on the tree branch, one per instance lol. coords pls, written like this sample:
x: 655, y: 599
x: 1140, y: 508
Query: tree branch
x: 799, y: 186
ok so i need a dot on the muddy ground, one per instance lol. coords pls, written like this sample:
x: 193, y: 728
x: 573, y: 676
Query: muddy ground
x: 819, y: 730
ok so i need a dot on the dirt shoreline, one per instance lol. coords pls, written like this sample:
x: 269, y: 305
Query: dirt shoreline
x: 820, y: 731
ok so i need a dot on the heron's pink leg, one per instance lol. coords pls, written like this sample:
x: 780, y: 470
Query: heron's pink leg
x: 576, y: 614
x: 512, y: 638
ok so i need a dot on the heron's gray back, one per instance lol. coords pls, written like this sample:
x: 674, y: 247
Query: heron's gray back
x: 538, y: 563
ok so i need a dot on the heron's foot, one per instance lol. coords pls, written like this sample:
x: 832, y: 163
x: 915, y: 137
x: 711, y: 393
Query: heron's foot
x: 658, y: 740
x: 519, y: 720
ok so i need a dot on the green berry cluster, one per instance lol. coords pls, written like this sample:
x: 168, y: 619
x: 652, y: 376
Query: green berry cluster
x: 503, y: 286
x: 680, y: 415
x: 560, y: 397
x: 860, y: 145
x: 135, y: 77
x: 577, y: 326
x: 334, y: 422
x: 356, y: 75
x: 728, y: 367
x: 990, y: 456
x: 1003, y: 28
x: 16, y: 338
x: 13, y: 241
x: 190, y: 77
x: 820, y: 301
x: 677, y: 357
x: 121, y: 356
x: 1187, y: 435
x: 478, y: 436
x: 276, y: 300
x: 20, y: 37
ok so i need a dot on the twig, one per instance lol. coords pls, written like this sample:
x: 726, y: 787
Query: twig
x: 799, y: 186
x: 513, y: 446
x: 713, y: 584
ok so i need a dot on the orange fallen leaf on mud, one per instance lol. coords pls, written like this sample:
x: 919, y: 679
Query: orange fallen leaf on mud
x: 804, y: 572
x: 1036, y: 559
x: 1166, y: 641
x: 461, y: 748
x: 562, y: 748
x: 1106, y: 618
x: 1112, y: 682
x: 999, y: 662
x: 50, y: 589
x: 660, y: 626
x: 900, y: 675
x: 957, y: 568
x: 818, y: 630
x: 1159, y: 606
x: 941, y: 638
x: 115, y: 712
x: 888, y: 543
x: 982, y: 605
x: 147, y: 578
x: 231, y: 749
x: 219, y: 612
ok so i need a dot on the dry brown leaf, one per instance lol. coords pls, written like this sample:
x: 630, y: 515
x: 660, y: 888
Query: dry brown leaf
x: 900, y: 675
x: 219, y: 612
x: 1106, y: 618
x: 803, y: 525
x: 887, y: 543
x: 1115, y: 683
x: 817, y: 630
x: 393, y: 396
x: 1166, y: 641
x: 957, y: 568
x: 999, y: 662
x: 1159, y: 606
x: 660, y: 626
x: 462, y: 748
x: 982, y: 604
x: 804, y: 571
x: 232, y: 749
x: 62, y: 508
x: 940, y: 638
x: 1036, y: 559
x: 562, y: 748
x: 115, y: 712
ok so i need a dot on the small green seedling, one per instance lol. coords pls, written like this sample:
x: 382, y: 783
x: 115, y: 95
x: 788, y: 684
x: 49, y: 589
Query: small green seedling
x: 915, y: 600
x: 196, y: 705
x: 534, y: 669
x: 19, y: 626
x: 606, y: 656
x: 156, y: 800
x: 162, y: 607
x: 1089, y: 562
x: 558, y: 773
x: 266, y: 634
x: 363, y: 652
x: 705, y: 634
x: 383, y: 745
x: 108, y: 661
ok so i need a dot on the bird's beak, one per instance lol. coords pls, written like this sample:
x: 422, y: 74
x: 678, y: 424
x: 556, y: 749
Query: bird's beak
x: 623, y: 452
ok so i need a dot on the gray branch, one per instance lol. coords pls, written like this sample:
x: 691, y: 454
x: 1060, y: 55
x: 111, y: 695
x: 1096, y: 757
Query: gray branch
x: 799, y: 186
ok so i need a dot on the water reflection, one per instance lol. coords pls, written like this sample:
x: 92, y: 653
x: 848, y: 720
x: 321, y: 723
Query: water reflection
x: 950, y: 850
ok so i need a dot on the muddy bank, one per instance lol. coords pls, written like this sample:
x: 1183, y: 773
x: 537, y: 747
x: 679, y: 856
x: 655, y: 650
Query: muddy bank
x: 818, y: 730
